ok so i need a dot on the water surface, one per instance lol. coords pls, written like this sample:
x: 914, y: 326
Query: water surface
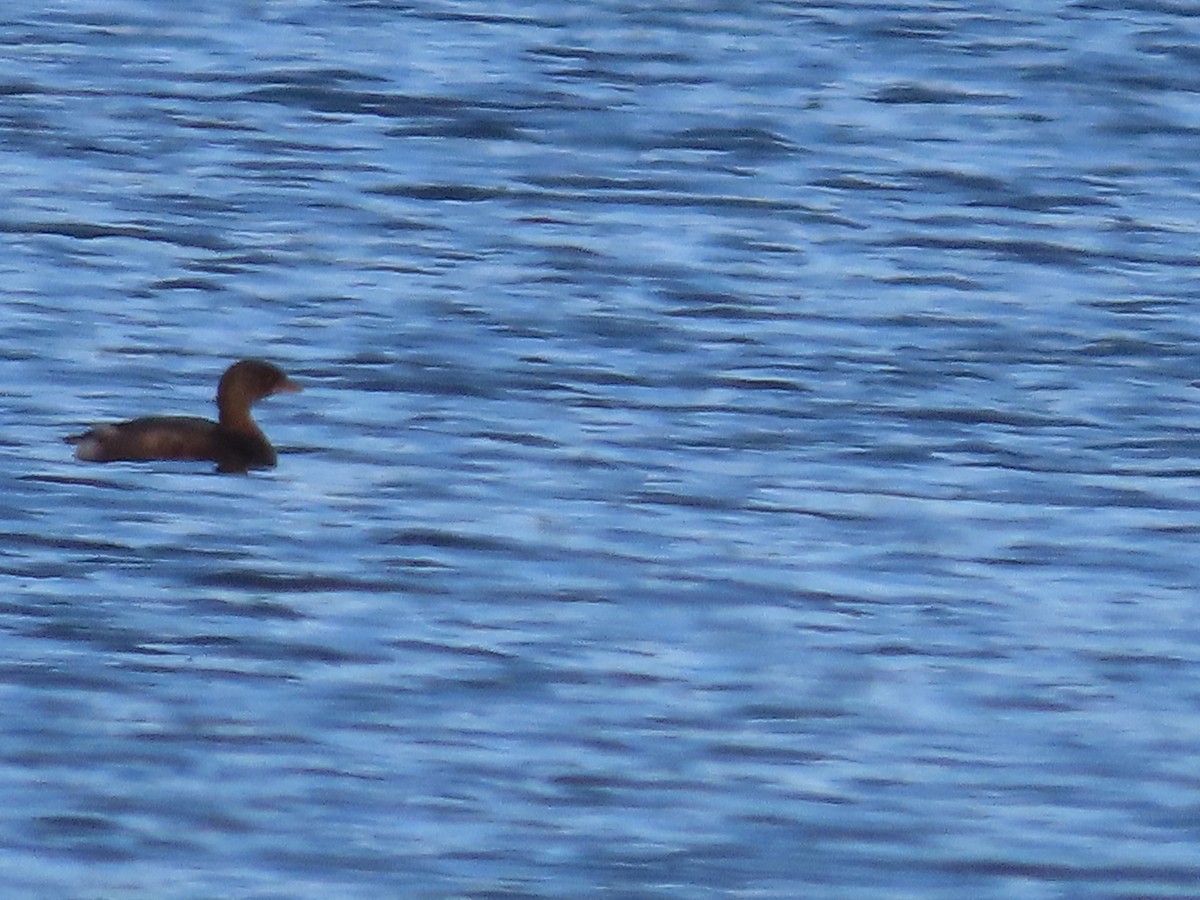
x: 743, y: 452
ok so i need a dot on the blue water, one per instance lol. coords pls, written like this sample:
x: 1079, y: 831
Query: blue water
x: 747, y: 450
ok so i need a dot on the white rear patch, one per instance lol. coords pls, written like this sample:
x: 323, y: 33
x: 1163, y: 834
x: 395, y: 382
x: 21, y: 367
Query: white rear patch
x: 91, y: 448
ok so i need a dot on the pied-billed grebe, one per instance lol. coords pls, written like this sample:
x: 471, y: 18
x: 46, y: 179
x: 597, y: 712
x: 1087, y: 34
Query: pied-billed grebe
x: 235, y: 443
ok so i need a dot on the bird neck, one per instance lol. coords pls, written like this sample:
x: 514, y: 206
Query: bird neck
x: 237, y: 418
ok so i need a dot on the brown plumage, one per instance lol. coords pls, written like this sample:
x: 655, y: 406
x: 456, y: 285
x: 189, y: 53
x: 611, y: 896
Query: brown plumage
x: 234, y: 442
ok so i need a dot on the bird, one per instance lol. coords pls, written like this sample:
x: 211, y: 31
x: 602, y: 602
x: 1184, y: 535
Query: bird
x: 234, y: 442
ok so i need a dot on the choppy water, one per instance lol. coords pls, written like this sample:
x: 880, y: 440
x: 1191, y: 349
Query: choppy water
x: 747, y: 450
